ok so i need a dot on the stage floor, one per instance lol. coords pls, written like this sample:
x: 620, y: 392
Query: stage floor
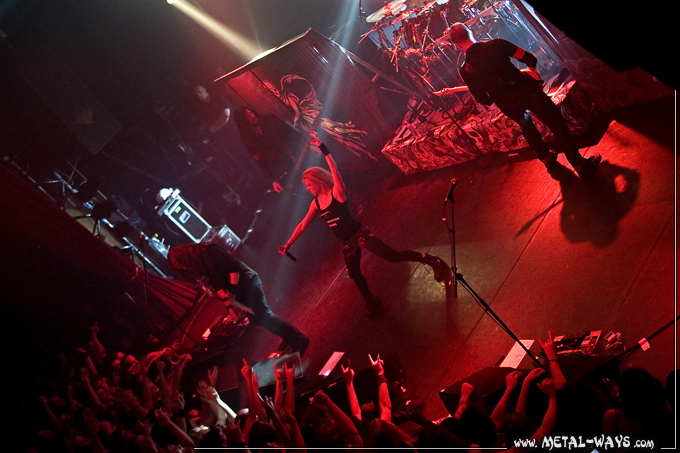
x: 545, y: 253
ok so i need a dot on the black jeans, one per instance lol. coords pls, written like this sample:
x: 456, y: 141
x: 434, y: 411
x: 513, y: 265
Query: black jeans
x: 534, y: 99
x: 263, y: 315
x: 364, y: 239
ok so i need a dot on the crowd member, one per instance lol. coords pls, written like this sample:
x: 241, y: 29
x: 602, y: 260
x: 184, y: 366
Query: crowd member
x: 492, y: 78
x: 100, y: 412
x: 330, y: 203
x: 214, y: 115
x: 644, y: 410
x: 237, y: 283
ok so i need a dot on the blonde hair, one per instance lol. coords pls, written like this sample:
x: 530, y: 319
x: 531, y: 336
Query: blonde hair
x: 320, y: 176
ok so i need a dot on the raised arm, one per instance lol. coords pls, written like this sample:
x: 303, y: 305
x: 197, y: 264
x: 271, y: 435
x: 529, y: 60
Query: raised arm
x: 383, y: 392
x: 465, y: 392
x: 338, y: 183
x: 523, y: 400
x: 348, y: 377
x: 289, y: 401
x: 501, y: 409
x: 279, y: 375
x: 442, y: 434
x: 181, y: 436
x: 549, y: 419
x: 551, y: 355
x: 222, y: 411
x: 345, y: 425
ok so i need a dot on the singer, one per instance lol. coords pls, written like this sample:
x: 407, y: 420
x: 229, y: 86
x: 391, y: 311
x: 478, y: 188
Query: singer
x: 330, y: 202
x: 226, y: 273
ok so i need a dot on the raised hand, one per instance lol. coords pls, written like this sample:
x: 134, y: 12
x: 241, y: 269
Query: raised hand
x: 162, y: 416
x: 320, y: 400
x: 279, y: 374
x: 512, y: 379
x: 289, y: 372
x: 377, y: 364
x: 368, y: 411
x: 314, y: 139
x: 549, y: 347
x: 347, y: 373
x: 466, y: 390
x: 548, y: 387
x: 233, y: 433
x: 246, y: 371
x: 533, y: 375
x: 212, y: 376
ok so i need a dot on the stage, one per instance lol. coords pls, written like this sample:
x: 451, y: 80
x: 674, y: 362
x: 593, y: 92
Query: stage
x: 545, y: 254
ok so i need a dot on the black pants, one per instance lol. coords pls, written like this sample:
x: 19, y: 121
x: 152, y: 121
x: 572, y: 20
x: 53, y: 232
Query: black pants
x: 364, y: 239
x: 263, y: 315
x: 534, y: 99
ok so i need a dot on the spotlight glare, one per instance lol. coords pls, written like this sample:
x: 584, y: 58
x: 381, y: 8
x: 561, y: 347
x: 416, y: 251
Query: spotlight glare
x: 217, y: 29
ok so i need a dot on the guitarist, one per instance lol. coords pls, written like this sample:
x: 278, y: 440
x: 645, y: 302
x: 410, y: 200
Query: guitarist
x: 491, y: 77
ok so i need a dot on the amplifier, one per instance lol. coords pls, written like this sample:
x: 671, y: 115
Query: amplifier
x: 223, y: 236
x: 184, y: 216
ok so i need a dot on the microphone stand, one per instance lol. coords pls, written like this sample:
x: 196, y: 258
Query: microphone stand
x: 493, y: 316
x: 452, y: 240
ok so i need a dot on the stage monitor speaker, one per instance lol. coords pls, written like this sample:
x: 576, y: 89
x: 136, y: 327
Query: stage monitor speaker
x: 489, y: 385
x: 365, y: 385
x: 265, y: 368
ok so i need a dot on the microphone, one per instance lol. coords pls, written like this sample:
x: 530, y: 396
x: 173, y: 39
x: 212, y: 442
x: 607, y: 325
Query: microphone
x: 449, y: 194
x: 290, y: 256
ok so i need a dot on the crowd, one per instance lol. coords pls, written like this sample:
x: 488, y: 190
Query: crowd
x: 101, y: 402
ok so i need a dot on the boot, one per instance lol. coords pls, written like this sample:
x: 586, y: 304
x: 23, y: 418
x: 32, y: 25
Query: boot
x: 442, y: 272
x: 587, y: 169
x: 373, y: 305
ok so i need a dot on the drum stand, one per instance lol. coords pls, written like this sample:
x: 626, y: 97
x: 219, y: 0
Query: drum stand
x: 446, y: 110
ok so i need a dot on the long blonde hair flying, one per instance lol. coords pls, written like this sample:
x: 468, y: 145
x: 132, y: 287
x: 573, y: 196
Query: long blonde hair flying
x: 320, y: 176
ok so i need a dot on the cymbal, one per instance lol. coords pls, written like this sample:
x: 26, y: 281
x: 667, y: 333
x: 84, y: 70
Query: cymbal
x: 396, y: 6
x: 415, y: 3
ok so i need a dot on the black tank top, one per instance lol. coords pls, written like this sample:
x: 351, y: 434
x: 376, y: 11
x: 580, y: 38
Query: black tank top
x: 338, y: 217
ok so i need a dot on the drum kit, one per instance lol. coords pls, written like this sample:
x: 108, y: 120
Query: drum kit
x: 419, y: 46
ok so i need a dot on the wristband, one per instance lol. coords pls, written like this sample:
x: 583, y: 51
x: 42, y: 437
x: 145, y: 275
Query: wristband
x: 382, y: 379
x: 552, y: 360
x: 324, y: 150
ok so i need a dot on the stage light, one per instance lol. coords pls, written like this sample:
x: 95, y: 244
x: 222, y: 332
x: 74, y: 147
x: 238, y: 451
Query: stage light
x: 228, y: 36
